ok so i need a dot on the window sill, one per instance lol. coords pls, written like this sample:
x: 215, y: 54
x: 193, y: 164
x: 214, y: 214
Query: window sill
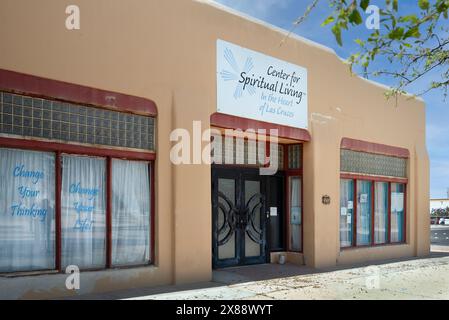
x: 55, y: 272
x: 27, y: 273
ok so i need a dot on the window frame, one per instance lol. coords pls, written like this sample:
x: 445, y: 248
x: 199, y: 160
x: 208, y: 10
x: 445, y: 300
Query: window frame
x: 373, y: 180
x: 44, y: 88
x: 288, y: 173
x: 85, y: 150
x: 388, y: 231
x: 353, y: 218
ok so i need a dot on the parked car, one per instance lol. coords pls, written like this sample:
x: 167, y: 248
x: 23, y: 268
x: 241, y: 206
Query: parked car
x: 446, y: 221
x: 441, y: 221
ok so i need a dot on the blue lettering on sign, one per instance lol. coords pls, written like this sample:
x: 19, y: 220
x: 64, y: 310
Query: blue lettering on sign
x: 79, y: 207
x: 20, y: 210
x: 21, y: 172
x: 83, y: 224
x: 91, y: 192
x: 26, y: 192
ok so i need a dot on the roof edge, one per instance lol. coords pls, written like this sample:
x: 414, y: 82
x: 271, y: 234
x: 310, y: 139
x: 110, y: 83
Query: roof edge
x: 265, y: 24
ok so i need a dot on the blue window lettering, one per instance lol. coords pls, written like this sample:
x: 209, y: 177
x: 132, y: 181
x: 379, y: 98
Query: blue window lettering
x: 21, y: 172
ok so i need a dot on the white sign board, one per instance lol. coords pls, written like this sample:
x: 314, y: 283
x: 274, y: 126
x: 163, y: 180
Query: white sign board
x: 256, y: 86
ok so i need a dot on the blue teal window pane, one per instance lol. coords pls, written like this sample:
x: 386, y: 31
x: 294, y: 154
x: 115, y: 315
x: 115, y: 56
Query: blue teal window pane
x: 380, y: 212
x: 397, y: 212
x: 363, y: 213
x: 346, y: 212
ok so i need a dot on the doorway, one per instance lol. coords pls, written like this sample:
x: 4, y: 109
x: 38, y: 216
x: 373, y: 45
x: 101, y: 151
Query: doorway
x: 247, y: 216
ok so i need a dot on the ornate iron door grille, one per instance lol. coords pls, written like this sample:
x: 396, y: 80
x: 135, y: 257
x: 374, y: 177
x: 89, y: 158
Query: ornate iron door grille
x: 239, y: 217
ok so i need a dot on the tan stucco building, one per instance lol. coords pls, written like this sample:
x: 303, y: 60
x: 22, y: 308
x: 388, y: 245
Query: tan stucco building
x: 94, y: 108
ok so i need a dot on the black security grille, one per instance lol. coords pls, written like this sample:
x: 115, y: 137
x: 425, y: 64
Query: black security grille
x: 42, y: 118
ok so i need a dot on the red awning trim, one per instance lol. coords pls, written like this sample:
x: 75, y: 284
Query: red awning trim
x: 232, y: 122
x: 376, y: 148
x: 53, y: 89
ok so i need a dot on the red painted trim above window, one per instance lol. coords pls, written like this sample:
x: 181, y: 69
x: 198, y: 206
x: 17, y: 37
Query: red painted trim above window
x: 53, y: 89
x: 74, y: 148
x: 376, y: 148
x: 232, y: 122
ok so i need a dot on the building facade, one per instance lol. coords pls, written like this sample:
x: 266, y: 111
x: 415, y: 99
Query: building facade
x: 91, y: 176
x: 438, y: 204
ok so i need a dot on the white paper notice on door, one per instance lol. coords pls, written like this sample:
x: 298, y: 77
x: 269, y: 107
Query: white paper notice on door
x: 343, y: 211
x: 350, y: 205
x: 349, y: 218
x: 397, y: 201
x: 364, y: 198
x: 273, y: 211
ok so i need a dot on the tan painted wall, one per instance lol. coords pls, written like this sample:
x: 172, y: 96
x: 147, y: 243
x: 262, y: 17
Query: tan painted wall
x: 165, y: 51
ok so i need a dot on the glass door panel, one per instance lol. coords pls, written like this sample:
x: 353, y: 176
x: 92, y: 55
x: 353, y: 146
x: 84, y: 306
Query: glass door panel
x: 226, y: 219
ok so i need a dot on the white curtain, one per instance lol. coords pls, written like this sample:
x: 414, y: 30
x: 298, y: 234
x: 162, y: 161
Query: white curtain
x: 380, y: 212
x: 346, y: 212
x: 363, y: 212
x: 295, y: 214
x: 27, y: 210
x: 130, y: 212
x: 397, y: 212
x: 83, y: 211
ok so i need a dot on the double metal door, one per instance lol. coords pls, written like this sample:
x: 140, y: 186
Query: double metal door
x: 238, y: 217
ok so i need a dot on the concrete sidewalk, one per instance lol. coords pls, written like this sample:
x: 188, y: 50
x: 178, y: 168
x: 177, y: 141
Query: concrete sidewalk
x: 406, y: 279
x: 412, y: 279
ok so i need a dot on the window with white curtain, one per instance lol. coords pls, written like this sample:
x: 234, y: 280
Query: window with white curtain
x: 27, y: 207
x: 346, y: 212
x: 379, y: 207
x: 397, y: 212
x: 363, y: 213
x: 380, y: 212
x: 83, y: 211
x: 295, y: 213
x: 130, y: 212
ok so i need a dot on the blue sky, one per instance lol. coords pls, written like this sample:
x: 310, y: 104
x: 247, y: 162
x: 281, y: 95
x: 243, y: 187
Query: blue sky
x: 283, y: 12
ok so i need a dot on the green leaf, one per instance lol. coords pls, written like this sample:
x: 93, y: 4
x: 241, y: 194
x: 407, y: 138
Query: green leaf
x: 328, y: 20
x: 423, y: 4
x: 359, y: 42
x: 395, y: 5
x: 412, y: 33
x: 409, y: 18
x: 355, y: 17
x: 364, y: 4
x: 396, y: 34
x: 337, y: 33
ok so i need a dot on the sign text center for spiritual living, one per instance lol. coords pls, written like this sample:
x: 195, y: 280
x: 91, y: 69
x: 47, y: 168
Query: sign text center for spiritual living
x: 256, y: 86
